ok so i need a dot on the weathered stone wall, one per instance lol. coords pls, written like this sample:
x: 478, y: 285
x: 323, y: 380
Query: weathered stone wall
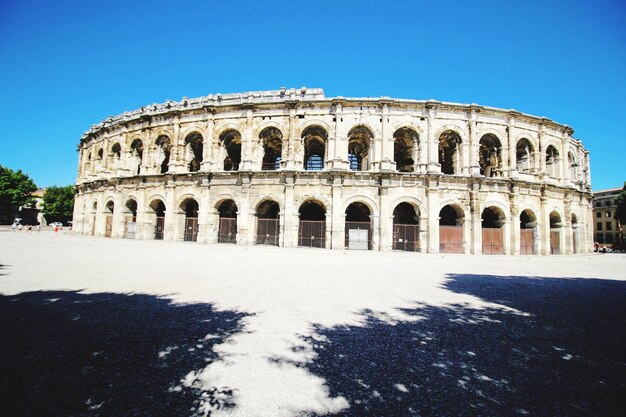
x: 498, y: 159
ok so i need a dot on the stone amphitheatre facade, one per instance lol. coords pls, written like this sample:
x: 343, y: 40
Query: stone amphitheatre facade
x: 292, y: 167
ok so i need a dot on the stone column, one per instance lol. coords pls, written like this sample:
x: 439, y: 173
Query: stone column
x: 474, y: 168
x: 203, y: 214
x: 512, y: 154
x: 476, y: 234
x: 515, y: 224
x: 340, y: 151
x: 386, y: 217
x: 386, y: 142
x: 177, y: 162
x: 207, y: 164
x: 291, y: 217
x: 434, y: 166
x: 432, y: 202
x: 291, y: 156
x: 171, y: 212
x: 246, y: 146
x: 336, y: 222
x: 244, y: 228
x: 543, y: 227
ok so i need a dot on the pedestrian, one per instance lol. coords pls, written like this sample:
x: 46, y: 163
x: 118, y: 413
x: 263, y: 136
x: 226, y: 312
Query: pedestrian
x: 13, y: 227
x: 596, y: 246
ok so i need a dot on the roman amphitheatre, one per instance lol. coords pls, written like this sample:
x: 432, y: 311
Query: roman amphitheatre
x: 292, y: 167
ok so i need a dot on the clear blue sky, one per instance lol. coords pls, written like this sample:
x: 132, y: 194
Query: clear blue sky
x: 65, y: 65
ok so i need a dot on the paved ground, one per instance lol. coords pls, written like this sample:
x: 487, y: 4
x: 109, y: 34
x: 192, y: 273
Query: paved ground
x: 100, y: 327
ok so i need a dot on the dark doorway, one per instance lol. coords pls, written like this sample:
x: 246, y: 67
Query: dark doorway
x: 450, y: 230
x: 227, y: 232
x: 492, y: 231
x: 190, y: 207
x: 358, y: 228
x: 268, y: 223
x: 405, y: 228
x: 528, y: 226
x: 312, y: 228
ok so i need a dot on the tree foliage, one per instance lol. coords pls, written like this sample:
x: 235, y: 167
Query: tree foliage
x: 620, y: 200
x: 16, y: 190
x: 58, y: 203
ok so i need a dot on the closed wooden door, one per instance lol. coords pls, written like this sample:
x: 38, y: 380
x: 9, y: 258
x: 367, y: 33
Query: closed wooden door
x: 451, y: 239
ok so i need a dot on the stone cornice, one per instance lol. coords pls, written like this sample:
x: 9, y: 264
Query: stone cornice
x: 292, y: 98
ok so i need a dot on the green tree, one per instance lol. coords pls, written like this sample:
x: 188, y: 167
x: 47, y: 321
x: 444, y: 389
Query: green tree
x: 16, y: 190
x: 620, y: 200
x: 58, y: 203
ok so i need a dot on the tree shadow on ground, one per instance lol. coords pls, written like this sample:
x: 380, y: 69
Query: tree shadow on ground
x: 66, y: 353
x: 565, y: 357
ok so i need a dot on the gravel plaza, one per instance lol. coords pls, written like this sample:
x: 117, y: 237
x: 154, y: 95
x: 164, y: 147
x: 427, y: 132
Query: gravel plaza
x: 110, y: 327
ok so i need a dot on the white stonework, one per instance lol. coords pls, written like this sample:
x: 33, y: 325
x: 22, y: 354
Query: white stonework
x: 258, y: 160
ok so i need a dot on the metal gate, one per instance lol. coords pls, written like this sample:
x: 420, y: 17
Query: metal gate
x: 358, y: 237
x: 451, y: 239
x: 108, y: 226
x: 312, y: 233
x: 191, y: 229
x: 527, y: 242
x: 267, y: 232
x: 574, y: 243
x: 555, y: 241
x: 493, y: 241
x: 130, y: 229
x: 406, y: 237
x: 159, y: 228
x: 227, y: 232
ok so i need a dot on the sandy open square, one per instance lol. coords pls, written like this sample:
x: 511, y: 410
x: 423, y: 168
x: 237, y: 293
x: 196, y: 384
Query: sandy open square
x: 101, y: 327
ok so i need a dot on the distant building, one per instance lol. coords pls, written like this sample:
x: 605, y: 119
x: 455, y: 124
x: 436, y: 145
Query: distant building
x: 32, y: 213
x: 606, y: 229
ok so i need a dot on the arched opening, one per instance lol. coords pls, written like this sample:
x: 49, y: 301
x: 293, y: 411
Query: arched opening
x: 116, y: 155
x: 130, y: 219
x: 358, y: 229
x: 528, y: 226
x: 451, y: 229
x: 190, y: 207
x: 573, y: 167
x: 272, y: 140
x: 405, y: 141
x: 100, y: 155
x: 109, y: 209
x: 163, y: 153
x: 136, y: 149
x: 359, y: 140
x: 552, y: 165
x: 492, y: 231
x: 490, y: 156
x: 231, y: 141
x: 555, y: 233
x: 405, y: 228
x: 312, y: 227
x: 88, y: 164
x: 524, y: 156
x: 158, y: 208
x: 268, y: 223
x: 227, y: 232
x: 574, y: 222
x: 314, y: 139
x: 194, y: 146
x: 449, y: 155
